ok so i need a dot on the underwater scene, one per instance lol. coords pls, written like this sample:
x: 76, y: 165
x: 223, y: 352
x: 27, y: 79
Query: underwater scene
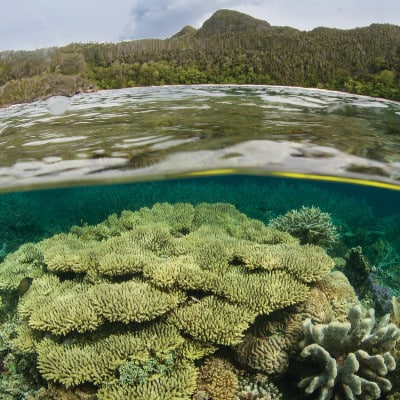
x: 200, y: 243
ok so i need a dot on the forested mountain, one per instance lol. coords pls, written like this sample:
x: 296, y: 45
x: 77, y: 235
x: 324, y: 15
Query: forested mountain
x: 230, y: 47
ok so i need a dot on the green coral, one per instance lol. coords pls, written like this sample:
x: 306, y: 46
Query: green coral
x: 111, y: 303
x: 76, y: 363
x: 133, y: 372
x: 80, y: 307
x: 354, y: 357
x: 26, y: 262
x: 309, y: 224
x: 213, y: 320
x: 179, y: 384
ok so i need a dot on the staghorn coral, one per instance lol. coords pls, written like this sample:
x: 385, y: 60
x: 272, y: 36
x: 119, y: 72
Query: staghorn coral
x: 309, y: 224
x: 353, y: 357
x: 301, y: 261
x: 175, y: 270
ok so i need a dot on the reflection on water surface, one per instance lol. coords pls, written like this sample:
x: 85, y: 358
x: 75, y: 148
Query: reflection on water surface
x: 149, y: 132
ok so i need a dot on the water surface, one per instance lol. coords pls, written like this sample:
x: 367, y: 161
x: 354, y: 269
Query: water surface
x: 152, y: 132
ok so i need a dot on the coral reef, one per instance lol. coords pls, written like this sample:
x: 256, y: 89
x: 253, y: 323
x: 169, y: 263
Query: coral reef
x: 365, y: 280
x: 257, y: 387
x: 27, y: 261
x: 382, y: 296
x: 217, y: 379
x: 53, y: 392
x: 131, y: 303
x: 395, y: 317
x: 32, y: 216
x: 309, y: 224
x: 178, y: 384
x: 387, y: 263
x: 270, y: 341
x: 357, y: 270
x: 351, y: 358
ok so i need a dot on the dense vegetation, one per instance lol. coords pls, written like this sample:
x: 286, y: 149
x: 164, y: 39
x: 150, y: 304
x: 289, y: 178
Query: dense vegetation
x: 230, y: 47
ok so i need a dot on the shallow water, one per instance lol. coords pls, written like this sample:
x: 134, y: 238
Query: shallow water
x: 153, y: 132
x: 72, y: 324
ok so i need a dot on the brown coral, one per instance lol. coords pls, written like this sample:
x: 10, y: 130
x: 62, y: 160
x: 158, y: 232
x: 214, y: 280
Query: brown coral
x: 268, y: 344
x: 217, y: 380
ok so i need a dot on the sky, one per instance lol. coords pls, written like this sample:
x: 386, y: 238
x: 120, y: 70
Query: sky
x: 32, y: 24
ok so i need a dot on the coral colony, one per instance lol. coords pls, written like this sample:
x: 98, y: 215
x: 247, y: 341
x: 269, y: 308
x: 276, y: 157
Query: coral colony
x: 171, y: 302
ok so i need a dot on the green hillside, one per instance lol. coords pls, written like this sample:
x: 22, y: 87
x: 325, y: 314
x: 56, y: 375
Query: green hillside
x: 230, y: 47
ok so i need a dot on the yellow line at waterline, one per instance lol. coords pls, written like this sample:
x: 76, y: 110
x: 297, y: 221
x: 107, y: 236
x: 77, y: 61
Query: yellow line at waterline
x: 340, y: 179
x: 297, y: 175
x: 211, y: 172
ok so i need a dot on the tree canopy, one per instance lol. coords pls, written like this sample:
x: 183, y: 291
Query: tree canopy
x: 230, y: 47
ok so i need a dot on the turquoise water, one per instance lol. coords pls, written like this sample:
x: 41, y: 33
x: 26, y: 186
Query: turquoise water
x: 159, y: 249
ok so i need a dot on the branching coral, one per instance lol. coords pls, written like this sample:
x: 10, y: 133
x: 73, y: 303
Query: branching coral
x: 353, y: 356
x: 309, y: 224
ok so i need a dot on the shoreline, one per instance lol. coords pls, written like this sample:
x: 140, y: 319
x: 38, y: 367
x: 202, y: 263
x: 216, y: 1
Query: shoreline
x: 94, y: 90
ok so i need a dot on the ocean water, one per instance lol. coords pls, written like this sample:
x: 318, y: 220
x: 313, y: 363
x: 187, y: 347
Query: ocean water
x: 200, y: 242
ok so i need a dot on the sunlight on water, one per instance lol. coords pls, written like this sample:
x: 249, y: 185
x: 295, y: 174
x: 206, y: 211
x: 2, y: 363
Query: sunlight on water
x: 58, y: 105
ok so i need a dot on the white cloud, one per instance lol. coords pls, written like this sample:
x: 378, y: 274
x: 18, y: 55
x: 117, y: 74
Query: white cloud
x: 29, y: 24
x: 163, y: 18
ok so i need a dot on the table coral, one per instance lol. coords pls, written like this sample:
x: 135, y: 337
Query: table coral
x: 353, y: 357
x: 200, y: 275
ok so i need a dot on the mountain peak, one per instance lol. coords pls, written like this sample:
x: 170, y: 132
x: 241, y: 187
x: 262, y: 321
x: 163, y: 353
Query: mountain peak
x: 223, y: 21
x: 186, y: 30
